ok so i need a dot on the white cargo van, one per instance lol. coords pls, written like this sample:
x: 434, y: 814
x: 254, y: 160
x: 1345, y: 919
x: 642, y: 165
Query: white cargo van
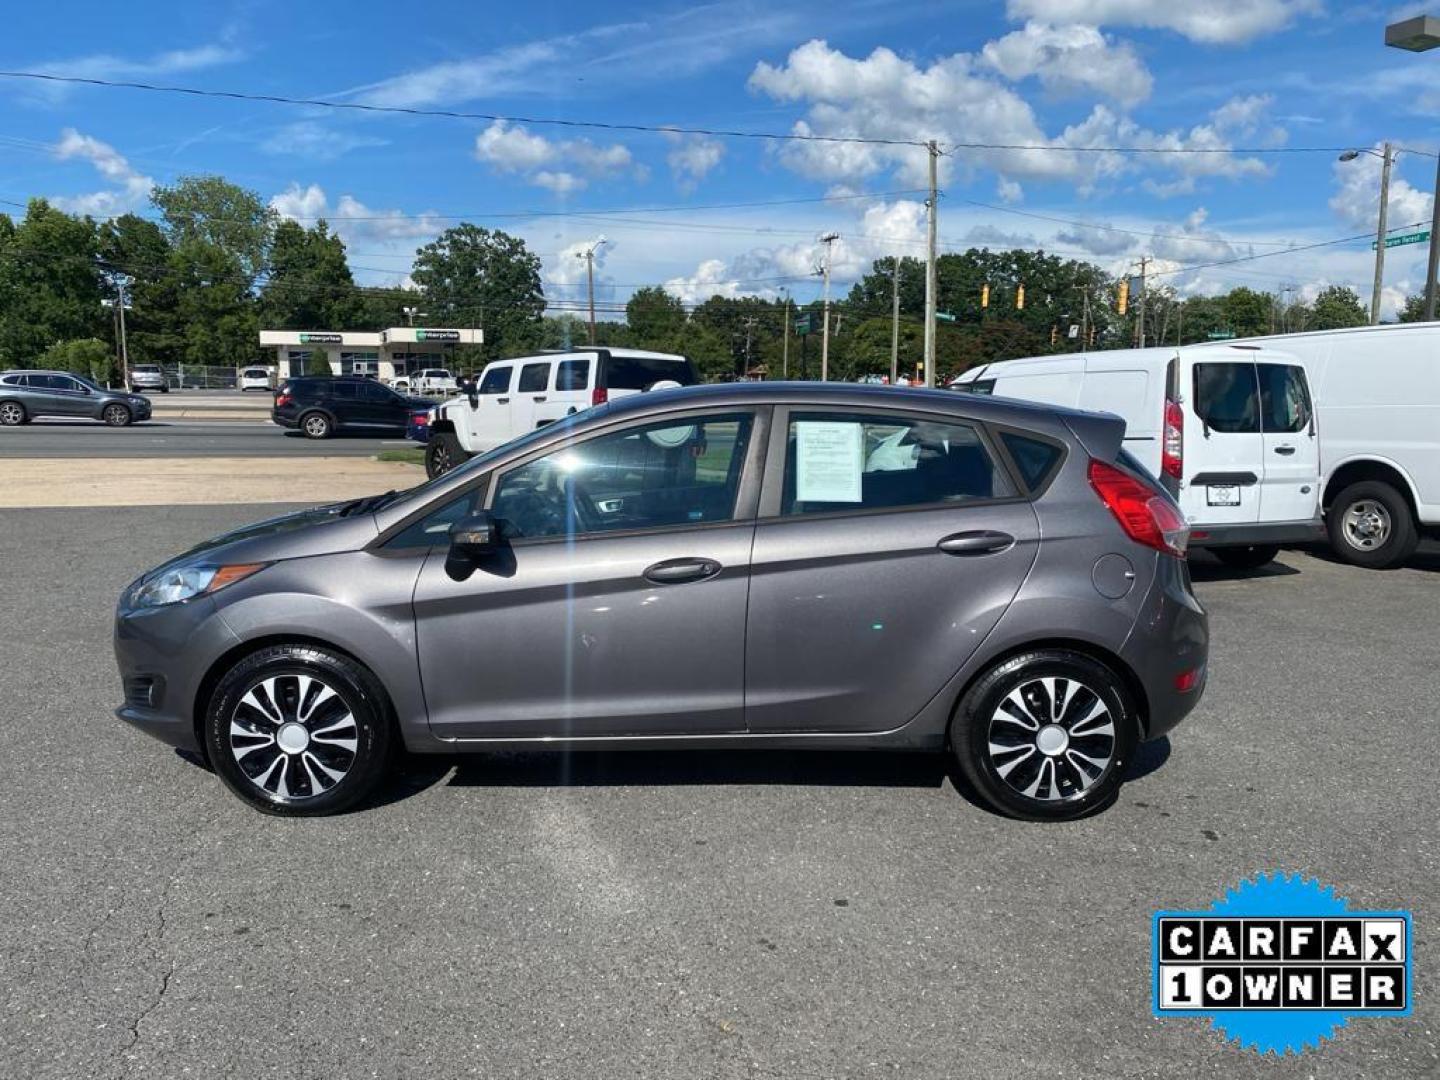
x: 514, y: 396
x: 1228, y: 428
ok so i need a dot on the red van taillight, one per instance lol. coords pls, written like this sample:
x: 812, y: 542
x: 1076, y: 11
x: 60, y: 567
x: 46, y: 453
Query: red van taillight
x: 599, y: 396
x: 1172, y: 443
x: 1147, y: 516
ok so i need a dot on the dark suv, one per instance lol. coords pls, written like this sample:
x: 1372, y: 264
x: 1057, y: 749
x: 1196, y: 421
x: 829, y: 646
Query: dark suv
x: 321, y: 405
x: 25, y: 395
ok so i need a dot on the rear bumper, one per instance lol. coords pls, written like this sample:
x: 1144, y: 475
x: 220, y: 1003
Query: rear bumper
x: 284, y: 421
x: 1278, y: 532
x: 1170, y: 642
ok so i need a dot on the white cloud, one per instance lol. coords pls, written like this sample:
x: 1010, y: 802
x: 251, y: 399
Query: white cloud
x: 711, y: 278
x: 691, y: 158
x: 883, y: 96
x: 1097, y: 240
x: 1009, y: 191
x: 1191, y: 242
x: 1213, y: 22
x: 108, y: 66
x: 1070, y: 59
x: 132, y: 189
x: 352, y: 219
x: 1357, y: 200
x: 1242, y: 114
x: 513, y: 148
x: 311, y: 141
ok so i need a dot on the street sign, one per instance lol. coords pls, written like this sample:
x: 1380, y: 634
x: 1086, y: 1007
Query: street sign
x: 1220, y: 335
x: 805, y: 323
x: 944, y: 316
x: 1404, y: 238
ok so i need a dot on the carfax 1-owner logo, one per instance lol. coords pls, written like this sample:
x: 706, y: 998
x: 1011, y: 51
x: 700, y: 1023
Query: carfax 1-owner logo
x: 1280, y: 962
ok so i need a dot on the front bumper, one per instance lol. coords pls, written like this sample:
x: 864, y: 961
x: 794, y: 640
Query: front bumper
x: 1169, y: 642
x: 163, y: 654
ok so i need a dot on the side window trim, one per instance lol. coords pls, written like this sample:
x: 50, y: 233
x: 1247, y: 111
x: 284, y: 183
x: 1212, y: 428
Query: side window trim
x: 773, y: 488
x: 746, y: 498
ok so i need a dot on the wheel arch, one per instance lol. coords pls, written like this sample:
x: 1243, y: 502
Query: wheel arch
x: 440, y: 427
x: 1378, y: 470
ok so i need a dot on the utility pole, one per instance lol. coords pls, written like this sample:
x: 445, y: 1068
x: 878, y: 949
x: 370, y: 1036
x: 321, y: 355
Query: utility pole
x: 124, y: 351
x: 1434, y: 267
x: 785, y: 337
x: 932, y: 206
x: 749, y: 326
x: 895, y: 320
x: 1084, y: 316
x: 828, y: 240
x: 1140, y: 301
x: 589, y: 256
x: 1380, y: 231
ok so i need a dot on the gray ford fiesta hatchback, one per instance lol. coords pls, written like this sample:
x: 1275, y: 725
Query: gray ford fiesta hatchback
x: 771, y: 564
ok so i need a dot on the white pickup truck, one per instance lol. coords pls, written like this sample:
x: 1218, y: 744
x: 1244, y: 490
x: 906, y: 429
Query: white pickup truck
x: 514, y: 396
x: 433, y: 381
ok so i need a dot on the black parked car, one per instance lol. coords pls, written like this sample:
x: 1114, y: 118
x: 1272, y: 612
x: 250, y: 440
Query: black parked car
x: 321, y: 405
x: 25, y: 395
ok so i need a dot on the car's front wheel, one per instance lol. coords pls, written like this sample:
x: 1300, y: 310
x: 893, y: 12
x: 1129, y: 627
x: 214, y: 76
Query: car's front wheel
x: 1370, y: 525
x: 442, y: 453
x: 1046, y: 735
x: 12, y: 413
x: 299, y: 731
x: 115, y: 415
x: 315, y: 425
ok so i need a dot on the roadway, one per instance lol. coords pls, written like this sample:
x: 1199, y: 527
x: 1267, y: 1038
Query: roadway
x: 181, y: 439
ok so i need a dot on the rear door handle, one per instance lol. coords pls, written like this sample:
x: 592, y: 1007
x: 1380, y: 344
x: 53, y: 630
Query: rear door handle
x: 538, y: 397
x: 1284, y: 449
x: 678, y: 571
x: 502, y: 401
x: 981, y: 542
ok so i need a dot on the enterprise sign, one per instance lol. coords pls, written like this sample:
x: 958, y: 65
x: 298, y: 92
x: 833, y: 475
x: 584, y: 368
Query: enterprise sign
x: 437, y: 335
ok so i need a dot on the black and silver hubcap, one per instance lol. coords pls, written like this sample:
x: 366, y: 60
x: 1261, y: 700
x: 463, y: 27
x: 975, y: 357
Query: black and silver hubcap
x: 1367, y: 524
x: 10, y: 413
x: 316, y: 426
x: 116, y: 415
x: 1052, y: 738
x: 442, y: 458
x: 293, y: 736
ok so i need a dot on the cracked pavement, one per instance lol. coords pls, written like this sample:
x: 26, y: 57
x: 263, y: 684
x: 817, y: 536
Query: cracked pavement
x: 671, y: 915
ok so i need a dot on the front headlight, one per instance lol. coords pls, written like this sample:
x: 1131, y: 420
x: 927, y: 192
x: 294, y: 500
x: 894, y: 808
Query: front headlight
x: 185, y: 582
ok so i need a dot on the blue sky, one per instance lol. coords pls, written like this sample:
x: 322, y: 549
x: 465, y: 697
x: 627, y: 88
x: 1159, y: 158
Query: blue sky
x: 1217, y: 74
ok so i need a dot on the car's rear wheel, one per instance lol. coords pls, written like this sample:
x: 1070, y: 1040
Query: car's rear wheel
x: 12, y: 413
x: 116, y: 415
x: 1370, y: 525
x: 315, y: 425
x: 442, y: 453
x: 1250, y: 557
x: 299, y: 731
x: 1046, y: 735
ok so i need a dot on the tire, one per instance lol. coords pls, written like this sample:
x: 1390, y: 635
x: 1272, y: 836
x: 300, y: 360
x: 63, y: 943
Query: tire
x: 290, y: 749
x: 116, y: 415
x: 165, y: 389
x: 1251, y: 557
x: 316, y: 425
x: 1370, y: 525
x: 13, y: 414
x: 442, y: 453
x: 1005, y: 708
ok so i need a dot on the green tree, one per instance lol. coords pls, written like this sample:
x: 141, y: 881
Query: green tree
x: 213, y: 211
x: 471, y: 276
x: 90, y: 357
x: 1336, y: 307
x: 1414, y: 309
x: 310, y: 286
x: 654, y: 315
x: 135, y: 251
x: 215, y: 312
x: 1247, y: 312
x: 50, y: 283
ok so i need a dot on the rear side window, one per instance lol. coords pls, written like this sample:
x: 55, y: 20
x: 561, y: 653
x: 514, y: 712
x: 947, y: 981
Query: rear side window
x: 1284, y: 397
x: 345, y: 391
x: 534, y: 378
x: 10, y: 380
x: 639, y: 372
x: 870, y: 461
x: 496, y: 380
x: 572, y: 375
x: 979, y: 386
x: 1227, y: 398
x: 1032, y: 457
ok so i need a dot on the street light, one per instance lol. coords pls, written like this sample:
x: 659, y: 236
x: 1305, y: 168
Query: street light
x: 589, y: 256
x: 1388, y: 157
x: 1419, y: 35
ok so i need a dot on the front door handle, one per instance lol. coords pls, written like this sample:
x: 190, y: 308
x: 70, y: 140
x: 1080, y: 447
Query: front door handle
x: 1285, y: 450
x: 677, y: 571
x: 981, y: 542
x: 538, y: 397
x: 502, y: 401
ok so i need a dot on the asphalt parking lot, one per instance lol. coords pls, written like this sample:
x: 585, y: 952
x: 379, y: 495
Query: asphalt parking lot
x: 705, y: 915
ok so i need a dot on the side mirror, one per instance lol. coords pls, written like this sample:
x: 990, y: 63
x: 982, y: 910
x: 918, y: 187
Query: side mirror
x: 473, y: 394
x: 475, y: 537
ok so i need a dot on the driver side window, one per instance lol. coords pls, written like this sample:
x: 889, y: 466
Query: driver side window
x: 669, y: 473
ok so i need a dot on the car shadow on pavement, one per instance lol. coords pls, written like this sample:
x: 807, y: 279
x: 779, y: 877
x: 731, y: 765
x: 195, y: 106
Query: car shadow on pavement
x: 1205, y: 567
x: 1426, y: 558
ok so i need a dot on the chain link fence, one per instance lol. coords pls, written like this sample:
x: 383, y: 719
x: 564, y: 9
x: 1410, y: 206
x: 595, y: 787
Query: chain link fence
x: 199, y: 376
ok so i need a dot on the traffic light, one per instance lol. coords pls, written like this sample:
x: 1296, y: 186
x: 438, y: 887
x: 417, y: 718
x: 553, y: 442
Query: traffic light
x: 985, y: 295
x: 1020, y: 297
x: 1122, y: 298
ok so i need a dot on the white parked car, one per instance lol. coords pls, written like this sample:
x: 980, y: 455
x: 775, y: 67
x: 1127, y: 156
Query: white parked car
x: 255, y: 378
x: 1228, y: 428
x: 514, y: 396
x: 433, y: 381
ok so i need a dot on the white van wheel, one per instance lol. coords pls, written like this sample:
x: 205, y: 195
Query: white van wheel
x: 1370, y: 525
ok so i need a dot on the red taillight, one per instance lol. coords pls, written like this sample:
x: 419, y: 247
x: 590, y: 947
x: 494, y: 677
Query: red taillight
x: 1172, y: 443
x: 282, y: 398
x: 599, y: 396
x: 1188, y: 680
x: 420, y: 419
x: 1147, y: 516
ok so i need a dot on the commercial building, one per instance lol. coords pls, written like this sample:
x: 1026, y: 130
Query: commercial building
x: 386, y: 354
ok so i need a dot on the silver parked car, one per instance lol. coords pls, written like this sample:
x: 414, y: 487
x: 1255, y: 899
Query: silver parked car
x: 762, y: 565
x: 148, y: 377
x: 25, y: 395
